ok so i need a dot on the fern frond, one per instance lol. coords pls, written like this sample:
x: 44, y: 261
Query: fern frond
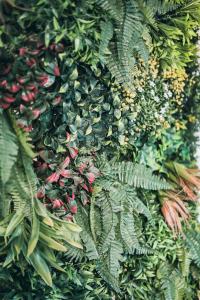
x: 164, y: 7
x: 137, y: 205
x: 8, y: 148
x: 114, y: 65
x: 149, y: 13
x: 86, y: 235
x: 104, y: 272
x: 106, y: 36
x: 115, y: 257
x: 173, y: 284
x: 139, y: 176
x: 193, y: 244
x: 185, y: 261
x: 108, y: 222
x: 127, y: 232
x: 113, y: 7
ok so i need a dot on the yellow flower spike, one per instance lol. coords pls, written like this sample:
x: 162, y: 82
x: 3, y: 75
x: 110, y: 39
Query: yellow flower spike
x: 192, y: 119
x: 166, y: 125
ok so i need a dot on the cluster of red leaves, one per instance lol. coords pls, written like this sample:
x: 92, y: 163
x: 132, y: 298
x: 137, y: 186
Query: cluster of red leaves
x: 71, y: 182
x: 26, y: 86
x: 186, y: 184
x: 24, y: 80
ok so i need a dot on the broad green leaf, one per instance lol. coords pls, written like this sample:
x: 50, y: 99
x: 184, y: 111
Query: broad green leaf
x: 52, y: 243
x: 15, y: 221
x: 74, y: 243
x: 74, y: 74
x: 56, y: 24
x: 64, y: 88
x: 77, y: 44
x: 48, y: 221
x: 72, y: 226
x: 40, y: 208
x: 41, y: 267
x: 117, y: 114
x: 88, y: 130
x: 34, y: 234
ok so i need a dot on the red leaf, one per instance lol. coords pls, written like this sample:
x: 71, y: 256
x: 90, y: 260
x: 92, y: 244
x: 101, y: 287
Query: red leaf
x: 14, y: 88
x: 57, y: 203
x: 84, y: 186
x: 73, y: 209
x: 22, y: 51
x: 31, y: 62
x: 28, y: 96
x: 56, y: 70
x: 65, y: 162
x: 36, y: 112
x: 57, y: 100
x: 66, y: 173
x: 69, y: 218
x: 91, y: 177
x: 4, y: 83
x: 8, y: 99
x: 82, y: 167
x: 4, y: 105
x: 73, y: 152
x: 53, y: 177
x: 28, y: 128
x: 41, y: 193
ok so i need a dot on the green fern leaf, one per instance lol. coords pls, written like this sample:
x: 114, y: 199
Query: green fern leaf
x: 193, y: 244
x: 115, y: 257
x: 106, y: 36
x: 8, y: 149
x: 139, y: 176
x: 128, y: 234
x: 103, y: 271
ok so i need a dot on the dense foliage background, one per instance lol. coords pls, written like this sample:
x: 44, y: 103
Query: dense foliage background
x: 99, y: 103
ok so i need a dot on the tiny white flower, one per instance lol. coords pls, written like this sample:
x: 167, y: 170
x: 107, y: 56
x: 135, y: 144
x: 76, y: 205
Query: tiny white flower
x: 156, y: 114
x: 140, y: 89
x: 163, y: 110
x: 169, y: 94
x: 166, y: 95
x: 165, y: 87
x: 152, y: 84
x: 152, y: 92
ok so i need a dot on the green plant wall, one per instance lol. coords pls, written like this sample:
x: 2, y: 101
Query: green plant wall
x: 95, y: 98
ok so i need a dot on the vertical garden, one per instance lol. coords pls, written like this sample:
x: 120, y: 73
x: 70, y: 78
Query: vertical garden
x: 99, y: 186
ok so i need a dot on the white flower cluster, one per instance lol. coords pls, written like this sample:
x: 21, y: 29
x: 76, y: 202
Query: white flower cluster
x: 167, y: 93
x: 164, y: 109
